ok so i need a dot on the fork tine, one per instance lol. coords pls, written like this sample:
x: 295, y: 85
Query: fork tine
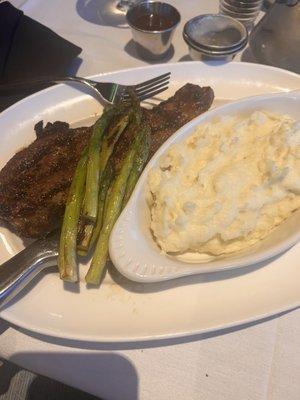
x: 151, y: 81
x: 143, y: 91
x: 148, y: 87
x: 152, y: 93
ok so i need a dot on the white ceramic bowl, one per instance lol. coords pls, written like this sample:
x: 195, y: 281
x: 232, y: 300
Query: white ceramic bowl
x: 132, y: 247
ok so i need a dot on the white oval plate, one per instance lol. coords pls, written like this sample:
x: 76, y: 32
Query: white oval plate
x: 132, y: 248
x: 122, y: 310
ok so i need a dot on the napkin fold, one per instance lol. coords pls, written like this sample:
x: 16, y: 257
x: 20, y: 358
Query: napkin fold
x: 28, y: 50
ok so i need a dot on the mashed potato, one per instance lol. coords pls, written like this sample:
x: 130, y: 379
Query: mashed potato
x: 226, y: 186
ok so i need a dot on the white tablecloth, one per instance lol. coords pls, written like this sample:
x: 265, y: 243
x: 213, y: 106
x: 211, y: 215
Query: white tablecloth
x: 257, y: 362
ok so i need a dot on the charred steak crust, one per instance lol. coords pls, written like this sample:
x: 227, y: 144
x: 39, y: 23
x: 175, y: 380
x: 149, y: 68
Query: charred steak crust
x: 34, y: 183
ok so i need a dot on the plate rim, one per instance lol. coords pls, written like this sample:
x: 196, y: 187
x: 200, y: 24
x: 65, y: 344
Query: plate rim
x: 157, y: 337
x: 152, y: 66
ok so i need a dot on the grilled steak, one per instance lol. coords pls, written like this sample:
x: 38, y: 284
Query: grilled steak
x: 34, y: 183
x: 170, y: 115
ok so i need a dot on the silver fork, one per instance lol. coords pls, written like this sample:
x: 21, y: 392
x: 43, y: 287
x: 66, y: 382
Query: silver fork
x: 109, y: 91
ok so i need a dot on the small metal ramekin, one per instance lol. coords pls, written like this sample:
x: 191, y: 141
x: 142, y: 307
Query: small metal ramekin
x: 152, y: 44
x: 214, y: 37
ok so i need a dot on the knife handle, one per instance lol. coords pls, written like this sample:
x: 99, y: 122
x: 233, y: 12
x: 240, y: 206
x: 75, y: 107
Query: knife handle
x: 19, y: 270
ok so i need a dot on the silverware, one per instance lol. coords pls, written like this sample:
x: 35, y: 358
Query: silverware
x: 19, y: 270
x: 152, y: 25
x: 214, y: 37
x: 109, y: 91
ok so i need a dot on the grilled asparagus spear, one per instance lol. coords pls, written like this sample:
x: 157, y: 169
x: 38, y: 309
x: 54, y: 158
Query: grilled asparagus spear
x: 91, y: 234
x: 113, y: 207
x: 138, y: 166
x: 90, y: 206
x: 67, y: 262
x: 109, y: 140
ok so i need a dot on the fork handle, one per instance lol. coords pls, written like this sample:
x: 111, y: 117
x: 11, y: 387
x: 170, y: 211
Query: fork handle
x: 19, y: 270
x: 18, y: 85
